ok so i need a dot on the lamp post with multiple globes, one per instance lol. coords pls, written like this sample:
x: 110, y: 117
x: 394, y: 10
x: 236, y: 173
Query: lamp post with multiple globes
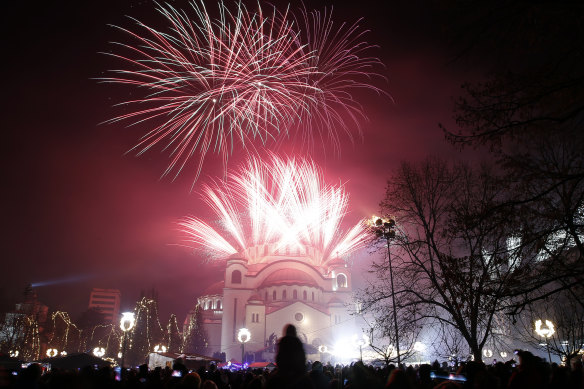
x: 126, y: 324
x: 159, y: 348
x: 385, y: 228
x: 545, y: 332
x: 361, y: 341
x: 243, y: 336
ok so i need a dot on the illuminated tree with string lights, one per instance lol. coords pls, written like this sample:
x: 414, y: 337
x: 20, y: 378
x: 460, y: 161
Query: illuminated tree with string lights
x: 195, y: 336
x: 173, y: 335
x: 147, y: 331
x: 64, y: 334
x: 20, y: 333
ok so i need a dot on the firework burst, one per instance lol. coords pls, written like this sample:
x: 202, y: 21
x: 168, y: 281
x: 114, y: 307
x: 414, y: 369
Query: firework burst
x: 242, y: 79
x: 269, y: 207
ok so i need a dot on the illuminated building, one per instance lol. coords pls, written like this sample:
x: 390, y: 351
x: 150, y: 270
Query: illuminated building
x: 268, y: 287
x: 106, y: 301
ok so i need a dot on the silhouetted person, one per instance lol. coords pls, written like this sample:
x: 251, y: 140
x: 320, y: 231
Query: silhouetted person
x: 209, y: 385
x: 191, y: 381
x: 398, y: 380
x: 425, y: 381
x: 180, y: 366
x: 527, y: 375
x: 29, y: 377
x: 291, y: 363
x: 317, y: 376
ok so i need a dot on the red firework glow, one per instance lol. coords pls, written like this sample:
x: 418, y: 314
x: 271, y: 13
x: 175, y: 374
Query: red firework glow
x: 242, y: 79
x: 287, y: 206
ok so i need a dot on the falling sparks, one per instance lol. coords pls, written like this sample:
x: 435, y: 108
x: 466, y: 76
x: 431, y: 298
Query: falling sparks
x: 243, y: 79
x: 272, y: 208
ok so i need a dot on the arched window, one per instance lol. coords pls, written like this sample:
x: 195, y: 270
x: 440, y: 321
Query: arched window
x: 266, y: 296
x: 312, y: 296
x: 295, y: 294
x: 218, y: 304
x: 236, y: 277
x: 283, y: 295
x: 342, y: 281
x: 274, y: 295
x: 304, y: 295
x: 207, y: 304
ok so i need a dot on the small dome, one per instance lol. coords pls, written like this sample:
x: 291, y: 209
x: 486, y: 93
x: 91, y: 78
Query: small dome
x: 337, y: 262
x: 214, y: 289
x: 255, y: 297
x: 335, y: 301
x: 289, y: 277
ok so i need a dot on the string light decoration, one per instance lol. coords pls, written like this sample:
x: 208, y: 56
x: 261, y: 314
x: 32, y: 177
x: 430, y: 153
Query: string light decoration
x: 147, y: 330
x: 31, y: 348
x: 22, y: 336
x: 62, y: 332
x: 195, y: 336
x: 52, y: 352
x: 173, y: 335
x: 110, y: 336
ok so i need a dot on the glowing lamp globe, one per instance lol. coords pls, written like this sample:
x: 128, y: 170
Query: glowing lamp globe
x: 159, y: 348
x: 127, y: 322
x: 547, y: 331
x: 360, y: 341
x: 243, y: 335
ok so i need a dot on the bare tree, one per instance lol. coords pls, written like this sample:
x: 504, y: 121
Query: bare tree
x: 452, y: 258
x: 380, y: 328
x: 529, y: 111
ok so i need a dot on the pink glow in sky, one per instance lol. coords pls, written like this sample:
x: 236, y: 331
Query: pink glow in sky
x: 76, y: 204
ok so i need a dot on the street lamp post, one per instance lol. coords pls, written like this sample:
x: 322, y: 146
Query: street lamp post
x: 384, y: 228
x: 243, y: 336
x: 126, y: 324
x: 322, y: 349
x: 361, y: 341
x: 545, y: 333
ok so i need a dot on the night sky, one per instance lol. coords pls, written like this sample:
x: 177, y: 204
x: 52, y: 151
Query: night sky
x: 79, y: 211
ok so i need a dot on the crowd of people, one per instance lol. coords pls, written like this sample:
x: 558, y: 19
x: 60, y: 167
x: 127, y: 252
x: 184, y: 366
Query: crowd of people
x: 294, y: 372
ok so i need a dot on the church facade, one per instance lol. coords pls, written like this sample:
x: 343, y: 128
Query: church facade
x: 267, y: 287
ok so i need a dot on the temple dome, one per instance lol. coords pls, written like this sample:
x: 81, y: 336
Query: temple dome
x: 289, y: 277
x: 214, y: 289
